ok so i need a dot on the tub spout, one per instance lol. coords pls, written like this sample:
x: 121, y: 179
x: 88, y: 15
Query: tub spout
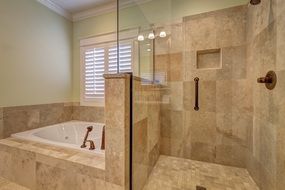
x: 92, y: 145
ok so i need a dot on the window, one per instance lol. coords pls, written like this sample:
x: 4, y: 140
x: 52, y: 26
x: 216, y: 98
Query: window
x: 97, y: 60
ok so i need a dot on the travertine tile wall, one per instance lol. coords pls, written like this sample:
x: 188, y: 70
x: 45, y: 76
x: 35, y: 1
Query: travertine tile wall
x: 146, y: 130
x: 39, y: 166
x: 1, y: 123
x: 240, y: 122
x: 88, y: 113
x: 265, y: 37
x: 22, y: 118
x: 218, y: 132
x: 280, y: 93
x: 117, y: 110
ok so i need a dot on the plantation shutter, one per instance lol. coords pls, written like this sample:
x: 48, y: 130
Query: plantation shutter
x: 112, y: 59
x: 100, y: 60
x: 125, y: 63
x: 94, y: 70
x: 125, y: 58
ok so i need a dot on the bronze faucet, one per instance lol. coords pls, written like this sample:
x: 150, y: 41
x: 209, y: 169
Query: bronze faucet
x: 92, y: 145
x: 103, y: 139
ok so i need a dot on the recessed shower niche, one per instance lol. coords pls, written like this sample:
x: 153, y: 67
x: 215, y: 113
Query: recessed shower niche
x: 209, y: 59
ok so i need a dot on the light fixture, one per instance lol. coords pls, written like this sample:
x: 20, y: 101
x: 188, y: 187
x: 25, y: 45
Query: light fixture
x: 151, y: 36
x: 149, y: 50
x: 140, y: 38
x: 162, y: 34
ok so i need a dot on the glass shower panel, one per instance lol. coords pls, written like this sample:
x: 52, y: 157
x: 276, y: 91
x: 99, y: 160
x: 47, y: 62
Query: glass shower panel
x: 134, y: 26
x: 200, y: 119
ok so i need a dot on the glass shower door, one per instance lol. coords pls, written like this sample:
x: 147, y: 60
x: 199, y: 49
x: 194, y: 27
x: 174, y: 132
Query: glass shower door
x: 200, y: 118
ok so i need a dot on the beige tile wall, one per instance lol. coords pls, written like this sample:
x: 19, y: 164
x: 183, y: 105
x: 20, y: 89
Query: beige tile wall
x: 22, y: 118
x: 218, y: 132
x: 265, y: 39
x: 240, y: 122
x: 88, y: 113
x: 146, y: 130
x: 39, y: 166
x: 117, y: 112
x: 280, y: 93
x: 1, y: 123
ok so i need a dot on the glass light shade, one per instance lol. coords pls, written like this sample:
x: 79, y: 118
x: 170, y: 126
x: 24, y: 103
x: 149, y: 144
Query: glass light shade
x: 151, y: 36
x: 140, y: 38
x: 162, y: 34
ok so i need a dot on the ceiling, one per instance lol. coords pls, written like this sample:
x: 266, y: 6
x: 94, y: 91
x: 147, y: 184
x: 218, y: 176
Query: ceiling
x: 75, y: 6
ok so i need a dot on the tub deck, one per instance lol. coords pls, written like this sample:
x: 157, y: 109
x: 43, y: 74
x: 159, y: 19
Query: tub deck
x: 36, y: 165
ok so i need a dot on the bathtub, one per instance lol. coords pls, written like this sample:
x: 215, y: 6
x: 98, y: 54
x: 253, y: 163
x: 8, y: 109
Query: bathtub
x: 68, y: 134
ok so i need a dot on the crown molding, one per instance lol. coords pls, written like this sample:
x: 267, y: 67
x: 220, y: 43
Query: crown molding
x: 54, y: 7
x: 105, y: 8
x: 99, y: 10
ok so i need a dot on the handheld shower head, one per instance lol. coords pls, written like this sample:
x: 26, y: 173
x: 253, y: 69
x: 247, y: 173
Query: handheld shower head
x: 255, y: 2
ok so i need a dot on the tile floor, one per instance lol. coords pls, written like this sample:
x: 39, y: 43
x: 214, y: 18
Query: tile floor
x: 7, y: 185
x: 171, y: 173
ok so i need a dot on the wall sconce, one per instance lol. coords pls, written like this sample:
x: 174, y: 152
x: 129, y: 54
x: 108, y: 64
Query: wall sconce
x: 162, y: 34
x: 151, y: 36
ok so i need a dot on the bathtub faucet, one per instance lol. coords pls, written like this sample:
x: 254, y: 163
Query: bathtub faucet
x: 92, y: 145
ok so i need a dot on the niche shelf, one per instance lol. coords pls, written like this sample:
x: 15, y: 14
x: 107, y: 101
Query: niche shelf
x: 209, y: 59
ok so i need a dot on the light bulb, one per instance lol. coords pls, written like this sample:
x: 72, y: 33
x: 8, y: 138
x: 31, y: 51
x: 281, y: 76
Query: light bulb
x: 162, y: 34
x: 151, y: 36
x: 140, y: 38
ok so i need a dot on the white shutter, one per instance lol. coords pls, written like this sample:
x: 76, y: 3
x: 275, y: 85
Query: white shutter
x: 103, y: 59
x: 94, y: 62
x: 125, y: 63
x: 126, y: 57
x: 112, y: 59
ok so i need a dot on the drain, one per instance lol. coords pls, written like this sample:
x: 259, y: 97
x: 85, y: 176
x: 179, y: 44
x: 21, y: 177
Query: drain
x: 200, y: 188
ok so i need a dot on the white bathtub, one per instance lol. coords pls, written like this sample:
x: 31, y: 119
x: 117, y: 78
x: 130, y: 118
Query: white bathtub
x: 69, y: 134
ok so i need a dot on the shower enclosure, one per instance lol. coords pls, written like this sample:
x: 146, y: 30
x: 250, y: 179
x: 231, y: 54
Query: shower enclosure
x: 205, y: 114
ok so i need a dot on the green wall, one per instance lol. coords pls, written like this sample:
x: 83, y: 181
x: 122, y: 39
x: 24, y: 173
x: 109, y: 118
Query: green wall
x: 83, y: 29
x: 35, y: 54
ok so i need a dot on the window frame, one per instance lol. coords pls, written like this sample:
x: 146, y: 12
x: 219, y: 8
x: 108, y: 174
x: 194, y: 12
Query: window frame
x: 102, y: 41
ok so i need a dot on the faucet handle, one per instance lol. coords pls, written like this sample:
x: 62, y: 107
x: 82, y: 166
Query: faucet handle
x: 89, y: 128
x: 269, y: 80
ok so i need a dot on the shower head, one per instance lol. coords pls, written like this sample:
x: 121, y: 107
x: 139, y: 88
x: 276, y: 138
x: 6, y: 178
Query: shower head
x: 255, y: 2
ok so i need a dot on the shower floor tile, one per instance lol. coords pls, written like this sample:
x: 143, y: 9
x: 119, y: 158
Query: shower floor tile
x: 171, y: 173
